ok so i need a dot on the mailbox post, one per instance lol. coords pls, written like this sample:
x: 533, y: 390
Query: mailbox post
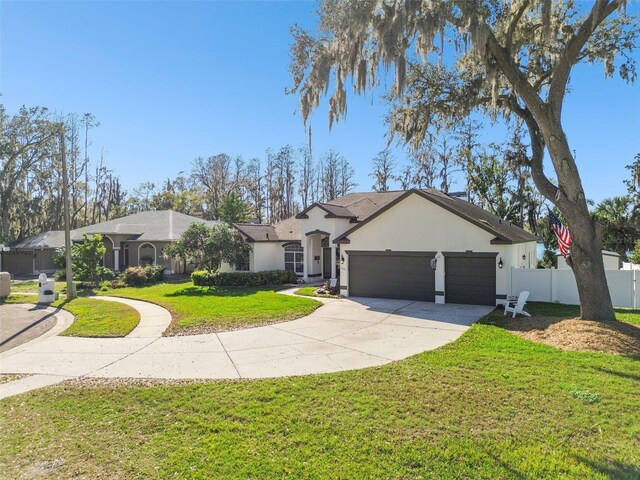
x: 46, y: 289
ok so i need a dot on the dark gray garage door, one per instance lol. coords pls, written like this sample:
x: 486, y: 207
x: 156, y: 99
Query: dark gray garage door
x: 18, y: 262
x: 470, y: 280
x: 405, y: 276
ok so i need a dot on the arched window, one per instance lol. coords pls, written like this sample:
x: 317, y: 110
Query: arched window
x: 294, y: 258
x: 146, y: 254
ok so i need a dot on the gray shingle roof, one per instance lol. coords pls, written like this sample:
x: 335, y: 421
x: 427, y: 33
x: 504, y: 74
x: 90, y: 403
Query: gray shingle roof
x: 284, y: 231
x: 49, y: 239
x: 288, y: 230
x: 365, y: 205
x: 257, y: 232
x: 159, y: 225
x: 368, y: 205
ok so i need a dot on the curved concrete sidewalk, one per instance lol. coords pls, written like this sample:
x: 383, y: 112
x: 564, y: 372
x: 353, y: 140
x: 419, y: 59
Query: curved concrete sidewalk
x: 342, y: 334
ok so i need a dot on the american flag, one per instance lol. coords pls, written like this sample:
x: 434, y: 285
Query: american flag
x: 563, y: 234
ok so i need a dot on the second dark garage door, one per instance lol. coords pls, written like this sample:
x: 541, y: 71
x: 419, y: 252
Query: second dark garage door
x: 392, y: 275
x: 470, y: 279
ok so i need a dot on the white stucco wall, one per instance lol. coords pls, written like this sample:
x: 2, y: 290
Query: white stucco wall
x: 417, y: 224
x: 317, y: 221
x: 267, y: 256
x: 263, y: 256
x: 312, y: 243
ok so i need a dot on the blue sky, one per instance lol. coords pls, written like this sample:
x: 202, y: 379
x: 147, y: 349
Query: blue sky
x: 171, y: 81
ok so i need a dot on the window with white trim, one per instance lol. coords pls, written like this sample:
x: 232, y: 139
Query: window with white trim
x: 294, y: 258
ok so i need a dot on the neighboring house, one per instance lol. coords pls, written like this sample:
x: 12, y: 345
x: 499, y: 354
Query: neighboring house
x: 32, y: 255
x: 139, y: 239
x: 385, y: 244
x: 611, y: 261
x: 133, y: 240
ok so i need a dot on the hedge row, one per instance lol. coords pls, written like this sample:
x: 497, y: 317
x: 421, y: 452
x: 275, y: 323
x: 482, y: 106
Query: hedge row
x: 204, y: 278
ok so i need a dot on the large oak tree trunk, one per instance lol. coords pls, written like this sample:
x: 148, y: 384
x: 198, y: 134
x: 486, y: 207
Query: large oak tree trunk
x: 588, y: 268
x: 586, y: 255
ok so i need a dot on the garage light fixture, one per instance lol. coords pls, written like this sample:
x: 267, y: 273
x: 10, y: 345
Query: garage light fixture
x: 342, y: 259
x: 500, y: 264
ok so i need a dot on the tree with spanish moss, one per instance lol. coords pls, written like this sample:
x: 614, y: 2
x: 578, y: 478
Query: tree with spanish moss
x: 383, y: 171
x: 511, y: 58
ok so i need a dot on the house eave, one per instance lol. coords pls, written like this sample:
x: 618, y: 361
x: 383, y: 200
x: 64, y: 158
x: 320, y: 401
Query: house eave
x: 317, y: 232
x: 500, y: 241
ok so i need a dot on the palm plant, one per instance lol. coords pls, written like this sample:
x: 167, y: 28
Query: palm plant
x: 621, y: 224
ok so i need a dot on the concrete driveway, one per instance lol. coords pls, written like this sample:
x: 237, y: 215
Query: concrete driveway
x: 343, y: 334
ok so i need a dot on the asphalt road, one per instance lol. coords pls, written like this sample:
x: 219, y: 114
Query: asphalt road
x: 21, y: 323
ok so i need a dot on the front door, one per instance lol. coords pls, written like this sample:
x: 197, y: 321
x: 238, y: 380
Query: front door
x: 326, y: 263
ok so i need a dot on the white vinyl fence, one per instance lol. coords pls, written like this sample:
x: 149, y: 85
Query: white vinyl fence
x: 558, y: 285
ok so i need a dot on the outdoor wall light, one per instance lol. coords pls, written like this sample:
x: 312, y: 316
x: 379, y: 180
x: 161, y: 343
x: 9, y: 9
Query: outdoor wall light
x: 500, y: 264
x: 342, y: 259
x: 524, y: 257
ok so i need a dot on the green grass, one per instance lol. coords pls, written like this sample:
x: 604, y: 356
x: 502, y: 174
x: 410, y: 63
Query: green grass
x: 489, y: 406
x: 93, y: 318
x: 219, y: 308
x: 311, y: 292
x: 31, y: 286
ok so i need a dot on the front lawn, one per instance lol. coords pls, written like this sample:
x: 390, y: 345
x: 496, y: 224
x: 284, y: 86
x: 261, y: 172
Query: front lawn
x: 213, y: 309
x: 31, y: 286
x: 490, y: 405
x: 93, y: 318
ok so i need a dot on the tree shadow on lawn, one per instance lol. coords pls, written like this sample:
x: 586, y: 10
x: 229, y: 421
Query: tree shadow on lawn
x: 617, y: 373
x: 611, y: 469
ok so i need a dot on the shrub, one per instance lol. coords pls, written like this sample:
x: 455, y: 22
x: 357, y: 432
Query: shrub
x: 134, y: 276
x: 117, y: 284
x: 102, y: 273
x: 204, y: 278
x: 139, y: 276
x: 154, y: 273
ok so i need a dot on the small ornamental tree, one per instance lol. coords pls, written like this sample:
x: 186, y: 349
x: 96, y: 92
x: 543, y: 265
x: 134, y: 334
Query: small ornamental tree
x: 620, y: 221
x: 499, y: 58
x: 208, y: 247
x: 86, y: 258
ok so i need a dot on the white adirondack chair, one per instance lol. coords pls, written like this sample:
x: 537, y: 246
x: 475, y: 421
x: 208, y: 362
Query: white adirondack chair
x: 518, y: 306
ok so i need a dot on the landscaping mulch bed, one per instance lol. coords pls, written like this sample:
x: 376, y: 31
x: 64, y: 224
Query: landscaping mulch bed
x: 575, y: 334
